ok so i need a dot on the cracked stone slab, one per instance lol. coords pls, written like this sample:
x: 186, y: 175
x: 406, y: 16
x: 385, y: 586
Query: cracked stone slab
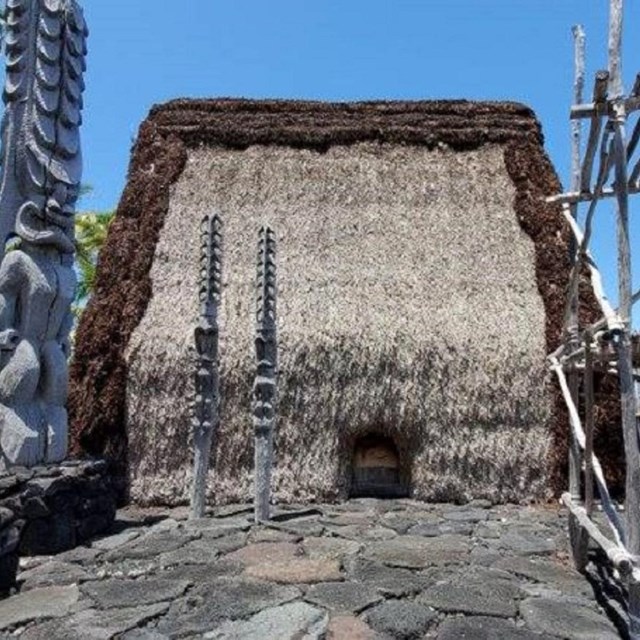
x: 266, y: 534
x: 358, y: 533
x: 485, y: 628
x: 225, y: 544
x: 115, y: 592
x: 349, y: 628
x: 297, y: 570
x: 566, y: 620
x: 117, y: 540
x: 151, y: 544
x: 343, y: 597
x: 214, y: 527
x: 358, y: 518
x: 401, y: 619
x: 481, y: 595
x: 332, y: 548
x: 417, y: 552
x: 210, y: 604
x: 143, y: 634
x: 293, y: 621
x: 38, y: 604
x: 52, y: 573
x: 566, y: 579
x: 196, y: 552
x: 390, y: 581
x: 199, y: 573
x: 308, y: 527
x: 95, y: 625
x: 491, y: 529
x: 263, y: 552
x: 430, y: 530
x: 464, y: 514
x: 80, y: 555
x: 525, y: 544
x: 483, y: 556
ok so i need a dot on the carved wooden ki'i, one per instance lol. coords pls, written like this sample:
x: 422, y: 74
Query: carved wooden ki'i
x: 41, y: 173
x: 207, y: 401
x: 264, y: 388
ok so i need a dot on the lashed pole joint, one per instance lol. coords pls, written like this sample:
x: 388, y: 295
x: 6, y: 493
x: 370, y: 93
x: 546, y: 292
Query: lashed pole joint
x: 207, y: 382
x: 264, y: 388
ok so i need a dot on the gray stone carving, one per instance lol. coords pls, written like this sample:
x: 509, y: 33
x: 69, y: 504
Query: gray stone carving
x: 207, y: 401
x: 264, y: 388
x: 41, y: 172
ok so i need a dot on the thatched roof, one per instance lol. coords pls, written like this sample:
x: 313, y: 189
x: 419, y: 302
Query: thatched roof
x: 132, y: 362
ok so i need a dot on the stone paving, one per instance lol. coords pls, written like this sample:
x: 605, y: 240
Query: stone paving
x: 362, y: 569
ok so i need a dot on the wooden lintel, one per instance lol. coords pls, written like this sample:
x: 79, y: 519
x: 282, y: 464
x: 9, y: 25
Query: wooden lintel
x: 606, y: 109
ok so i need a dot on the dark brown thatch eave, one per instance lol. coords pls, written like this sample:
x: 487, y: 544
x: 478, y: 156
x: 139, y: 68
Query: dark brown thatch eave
x: 238, y: 124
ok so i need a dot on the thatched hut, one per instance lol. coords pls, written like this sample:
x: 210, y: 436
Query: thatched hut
x: 421, y: 284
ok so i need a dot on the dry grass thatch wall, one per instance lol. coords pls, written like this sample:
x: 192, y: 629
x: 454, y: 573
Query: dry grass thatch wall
x: 421, y: 285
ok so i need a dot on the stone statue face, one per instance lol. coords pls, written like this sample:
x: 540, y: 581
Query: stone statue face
x: 45, y: 226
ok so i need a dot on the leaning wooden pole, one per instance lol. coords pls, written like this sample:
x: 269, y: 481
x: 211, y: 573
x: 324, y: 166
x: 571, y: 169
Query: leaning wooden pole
x: 624, y: 353
x: 207, y: 382
x: 264, y: 388
x: 572, y: 337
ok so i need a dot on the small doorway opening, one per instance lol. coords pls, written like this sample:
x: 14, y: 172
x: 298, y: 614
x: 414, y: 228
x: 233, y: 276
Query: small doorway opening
x: 376, y: 468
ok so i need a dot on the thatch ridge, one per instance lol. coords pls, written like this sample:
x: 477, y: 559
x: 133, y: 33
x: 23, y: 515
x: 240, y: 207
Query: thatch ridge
x: 97, y: 402
x: 238, y: 124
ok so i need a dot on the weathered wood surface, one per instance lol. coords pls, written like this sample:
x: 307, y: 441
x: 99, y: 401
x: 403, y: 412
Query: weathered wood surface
x: 572, y: 332
x: 264, y: 388
x: 576, y: 424
x: 618, y: 556
x: 611, y: 317
x: 206, y: 414
x: 572, y: 197
x: 595, y: 129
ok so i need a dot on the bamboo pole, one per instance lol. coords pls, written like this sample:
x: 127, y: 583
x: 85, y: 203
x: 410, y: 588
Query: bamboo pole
x: 572, y: 329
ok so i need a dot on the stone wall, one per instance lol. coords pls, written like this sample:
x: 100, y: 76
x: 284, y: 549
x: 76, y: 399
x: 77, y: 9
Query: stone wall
x: 50, y: 509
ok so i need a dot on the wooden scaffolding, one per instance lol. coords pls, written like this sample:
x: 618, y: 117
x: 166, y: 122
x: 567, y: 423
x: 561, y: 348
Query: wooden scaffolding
x: 606, y: 169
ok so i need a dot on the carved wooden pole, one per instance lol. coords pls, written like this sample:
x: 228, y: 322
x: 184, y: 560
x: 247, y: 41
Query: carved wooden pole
x: 39, y: 187
x: 264, y: 388
x: 207, y: 382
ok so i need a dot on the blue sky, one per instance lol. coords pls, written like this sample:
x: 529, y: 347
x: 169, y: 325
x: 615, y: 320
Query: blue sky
x: 144, y: 52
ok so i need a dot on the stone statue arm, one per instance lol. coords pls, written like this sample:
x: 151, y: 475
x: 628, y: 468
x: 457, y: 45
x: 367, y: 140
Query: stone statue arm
x: 65, y: 332
x: 11, y: 282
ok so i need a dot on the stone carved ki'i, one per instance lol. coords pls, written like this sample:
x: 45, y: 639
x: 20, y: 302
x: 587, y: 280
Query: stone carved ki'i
x: 264, y: 388
x: 41, y: 173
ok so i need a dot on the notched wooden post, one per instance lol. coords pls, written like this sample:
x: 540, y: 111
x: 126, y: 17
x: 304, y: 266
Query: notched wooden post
x: 264, y: 388
x: 207, y: 399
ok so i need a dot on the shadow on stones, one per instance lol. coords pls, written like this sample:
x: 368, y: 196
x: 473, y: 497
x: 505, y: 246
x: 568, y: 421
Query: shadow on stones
x: 608, y: 591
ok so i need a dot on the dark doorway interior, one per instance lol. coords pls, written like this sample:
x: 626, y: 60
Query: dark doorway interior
x: 376, y: 469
